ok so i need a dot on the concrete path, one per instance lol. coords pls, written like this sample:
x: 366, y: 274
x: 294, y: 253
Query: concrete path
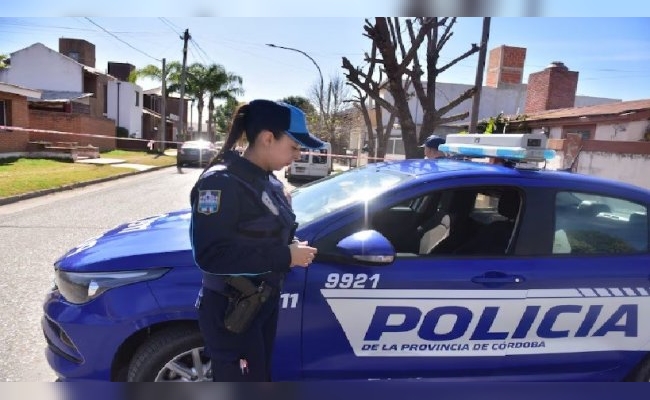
x: 114, y: 162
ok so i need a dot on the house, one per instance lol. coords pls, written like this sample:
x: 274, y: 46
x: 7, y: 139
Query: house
x: 14, y: 113
x: 151, y: 117
x: 504, y: 92
x: 608, y: 140
x: 76, y: 97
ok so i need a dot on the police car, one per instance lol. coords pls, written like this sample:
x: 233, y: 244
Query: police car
x: 442, y: 269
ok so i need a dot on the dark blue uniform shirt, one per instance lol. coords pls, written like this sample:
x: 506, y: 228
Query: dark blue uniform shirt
x: 242, y: 221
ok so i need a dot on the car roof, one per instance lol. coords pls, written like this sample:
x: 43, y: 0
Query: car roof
x: 428, y: 169
x: 197, y: 143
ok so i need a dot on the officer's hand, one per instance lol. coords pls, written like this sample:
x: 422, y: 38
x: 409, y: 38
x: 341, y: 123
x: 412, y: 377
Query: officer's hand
x: 302, y: 254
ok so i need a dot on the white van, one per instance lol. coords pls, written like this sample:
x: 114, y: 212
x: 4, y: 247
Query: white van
x: 313, y: 164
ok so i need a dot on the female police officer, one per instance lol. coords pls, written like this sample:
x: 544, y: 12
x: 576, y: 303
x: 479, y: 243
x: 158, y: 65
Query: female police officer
x: 242, y: 237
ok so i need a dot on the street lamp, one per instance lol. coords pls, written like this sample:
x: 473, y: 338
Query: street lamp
x: 320, y: 97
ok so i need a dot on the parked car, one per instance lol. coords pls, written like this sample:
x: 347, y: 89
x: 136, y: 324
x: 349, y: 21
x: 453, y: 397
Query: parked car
x: 426, y: 269
x: 195, y: 152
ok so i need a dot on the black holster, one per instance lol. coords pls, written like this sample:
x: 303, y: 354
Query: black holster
x: 245, y: 303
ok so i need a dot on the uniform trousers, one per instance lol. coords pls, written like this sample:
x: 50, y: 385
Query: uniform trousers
x: 238, y: 357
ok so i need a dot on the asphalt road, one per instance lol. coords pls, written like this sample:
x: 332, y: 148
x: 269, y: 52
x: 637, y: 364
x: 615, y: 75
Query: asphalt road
x: 36, y: 232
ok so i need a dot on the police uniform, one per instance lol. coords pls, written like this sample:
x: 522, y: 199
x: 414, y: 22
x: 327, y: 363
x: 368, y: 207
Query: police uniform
x: 241, y: 224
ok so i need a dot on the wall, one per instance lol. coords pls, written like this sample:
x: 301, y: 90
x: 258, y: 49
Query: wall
x: 130, y: 115
x: 13, y: 141
x: 66, y: 124
x: 622, y: 161
x: 18, y: 115
x: 38, y: 67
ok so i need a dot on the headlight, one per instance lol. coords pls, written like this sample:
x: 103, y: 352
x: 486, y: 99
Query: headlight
x: 81, y: 287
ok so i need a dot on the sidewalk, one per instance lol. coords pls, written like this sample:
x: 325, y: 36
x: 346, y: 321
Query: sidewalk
x: 115, y: 162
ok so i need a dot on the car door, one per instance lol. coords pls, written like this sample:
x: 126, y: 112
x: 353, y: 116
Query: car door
x: 441, y: 316
x: 583, y: 253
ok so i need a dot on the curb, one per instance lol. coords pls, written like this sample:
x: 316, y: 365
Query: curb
x: 39, y: 193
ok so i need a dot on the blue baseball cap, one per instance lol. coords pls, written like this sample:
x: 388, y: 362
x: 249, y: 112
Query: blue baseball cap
x: 433, y: 141
x: 278, y: 116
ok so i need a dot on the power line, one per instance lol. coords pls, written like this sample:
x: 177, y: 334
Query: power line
x: 168, y: 24
x: 195, y: 43
x: 123, y: 41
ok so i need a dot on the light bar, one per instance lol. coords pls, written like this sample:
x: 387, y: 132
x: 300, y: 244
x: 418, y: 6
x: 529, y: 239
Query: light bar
x: 519, y: 147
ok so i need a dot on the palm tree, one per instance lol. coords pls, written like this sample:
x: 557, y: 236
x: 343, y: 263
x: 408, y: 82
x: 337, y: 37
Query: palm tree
x: 196, y: 88
x: 222, y: 85
x: 172, y: 75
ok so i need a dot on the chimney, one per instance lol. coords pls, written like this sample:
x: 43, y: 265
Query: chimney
x: 120, y: 70
x: 505, y: 66
x: 79, y: 50
x: 554, y: 87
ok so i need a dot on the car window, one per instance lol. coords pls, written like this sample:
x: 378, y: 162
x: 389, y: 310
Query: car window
x: 599, y: 225
x: 315, y: 200
x: 456, y: 222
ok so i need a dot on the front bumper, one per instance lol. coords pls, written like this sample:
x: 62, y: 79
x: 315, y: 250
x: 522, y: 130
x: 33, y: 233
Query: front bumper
x: 83, y: 340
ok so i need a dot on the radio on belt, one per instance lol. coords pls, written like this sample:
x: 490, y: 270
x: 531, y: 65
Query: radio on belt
x: 526, y: 147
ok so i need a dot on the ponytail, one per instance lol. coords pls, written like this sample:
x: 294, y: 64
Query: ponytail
x: 237, y: 129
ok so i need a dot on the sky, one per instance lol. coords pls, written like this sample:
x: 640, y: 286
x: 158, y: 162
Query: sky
x: 611, y: 54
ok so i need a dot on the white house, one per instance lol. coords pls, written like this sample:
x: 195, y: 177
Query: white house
x: 42, y: 68
x: 124, y: 106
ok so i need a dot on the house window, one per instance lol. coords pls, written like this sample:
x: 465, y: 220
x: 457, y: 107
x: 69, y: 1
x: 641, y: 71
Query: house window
x: 74, y: 55
x: 137, y: 98
x: 583, y: 130
x: 4, y: 113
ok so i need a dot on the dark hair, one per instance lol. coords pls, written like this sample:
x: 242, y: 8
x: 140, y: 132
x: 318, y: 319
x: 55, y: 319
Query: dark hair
x: 239, y: 126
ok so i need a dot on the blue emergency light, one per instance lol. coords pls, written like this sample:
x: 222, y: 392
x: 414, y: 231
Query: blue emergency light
x: 529, y: 147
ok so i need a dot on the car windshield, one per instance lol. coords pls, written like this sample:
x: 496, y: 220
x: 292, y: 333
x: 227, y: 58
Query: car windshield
x: 327, y: 195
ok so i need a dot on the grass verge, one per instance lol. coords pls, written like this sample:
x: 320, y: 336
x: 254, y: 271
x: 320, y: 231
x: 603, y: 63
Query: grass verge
x: 25, y: 175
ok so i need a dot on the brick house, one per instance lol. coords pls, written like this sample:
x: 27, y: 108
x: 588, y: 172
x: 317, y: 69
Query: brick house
x: 503, y: 92
x: 14, y: 113
x: 76, y: 97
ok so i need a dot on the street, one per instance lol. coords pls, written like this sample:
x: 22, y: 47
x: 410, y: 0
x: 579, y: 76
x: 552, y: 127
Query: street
x: 36, y: 232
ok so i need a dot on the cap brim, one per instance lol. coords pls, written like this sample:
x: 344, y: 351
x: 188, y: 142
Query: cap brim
x: 307, y: 140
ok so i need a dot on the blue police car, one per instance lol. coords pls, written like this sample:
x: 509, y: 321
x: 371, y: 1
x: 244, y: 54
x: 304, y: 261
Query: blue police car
x: 427, y: 269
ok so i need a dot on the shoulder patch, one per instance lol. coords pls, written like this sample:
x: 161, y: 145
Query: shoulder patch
x: 209, y: 201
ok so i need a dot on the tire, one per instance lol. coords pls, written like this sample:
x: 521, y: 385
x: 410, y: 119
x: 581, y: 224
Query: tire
x: 175, y: 346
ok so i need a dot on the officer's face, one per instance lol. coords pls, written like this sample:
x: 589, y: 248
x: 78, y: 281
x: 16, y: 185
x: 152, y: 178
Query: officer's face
x: 283, y: 152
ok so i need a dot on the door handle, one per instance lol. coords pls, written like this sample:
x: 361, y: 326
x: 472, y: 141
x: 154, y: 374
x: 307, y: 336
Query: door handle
x: 497, y: 278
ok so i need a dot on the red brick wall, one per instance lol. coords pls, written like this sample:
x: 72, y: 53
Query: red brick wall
x: 18, y: 115
x: 67, y: 124
x: 13, y: 141
x: 505, y: 65
x: 550, y: 89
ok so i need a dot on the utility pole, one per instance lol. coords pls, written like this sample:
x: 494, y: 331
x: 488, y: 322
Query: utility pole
x: 163, y: 112
x: 478, y: 83
x: 181, y: 106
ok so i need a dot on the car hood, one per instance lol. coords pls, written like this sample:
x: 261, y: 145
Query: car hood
x: 161, y: 240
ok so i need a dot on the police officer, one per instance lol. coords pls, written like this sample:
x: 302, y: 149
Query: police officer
x: 431, y: 147
x: 242, y: 226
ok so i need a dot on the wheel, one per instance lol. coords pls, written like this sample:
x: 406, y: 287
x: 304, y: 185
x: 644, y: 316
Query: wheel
x: 171, y: 355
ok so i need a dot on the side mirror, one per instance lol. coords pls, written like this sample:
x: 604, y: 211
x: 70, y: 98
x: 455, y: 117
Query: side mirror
x: 367, y: 247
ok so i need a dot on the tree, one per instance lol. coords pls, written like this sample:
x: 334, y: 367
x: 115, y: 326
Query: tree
x: 223, y: 115
x: 3, y: 61
x: 398, y: 62
x: 335, y: 109
x: 301, y: 102
x: 221, y: 85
